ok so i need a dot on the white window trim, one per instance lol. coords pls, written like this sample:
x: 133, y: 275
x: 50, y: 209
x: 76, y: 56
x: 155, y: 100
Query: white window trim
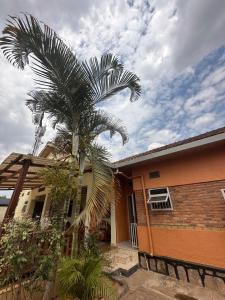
x: 223, y: 193
x: 149, y: 201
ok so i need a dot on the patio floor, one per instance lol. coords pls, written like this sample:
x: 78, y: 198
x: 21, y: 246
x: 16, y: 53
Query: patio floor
x: 147, y: 285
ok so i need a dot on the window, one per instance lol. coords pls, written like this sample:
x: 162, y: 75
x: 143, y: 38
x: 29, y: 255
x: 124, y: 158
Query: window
x: 223, y: 193
x: 159, y: 199
x: 24, y: 207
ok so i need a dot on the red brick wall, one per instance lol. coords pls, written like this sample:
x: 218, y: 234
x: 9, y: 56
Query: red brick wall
x: 194, y: 205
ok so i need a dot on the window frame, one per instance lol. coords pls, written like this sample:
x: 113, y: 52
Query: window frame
x: 168, y: 198
x: 223, y: 193
x: 25, y: 206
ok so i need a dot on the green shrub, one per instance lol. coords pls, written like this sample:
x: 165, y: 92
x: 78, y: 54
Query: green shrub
x: 83, y: 278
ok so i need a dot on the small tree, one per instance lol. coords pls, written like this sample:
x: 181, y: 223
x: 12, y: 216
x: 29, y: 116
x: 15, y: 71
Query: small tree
x: 28, y: 253
x: 62, y: 182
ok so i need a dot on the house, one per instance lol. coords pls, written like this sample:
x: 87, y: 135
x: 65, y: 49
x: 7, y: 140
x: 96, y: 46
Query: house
x: 35, y: 202
x: 170, y: 209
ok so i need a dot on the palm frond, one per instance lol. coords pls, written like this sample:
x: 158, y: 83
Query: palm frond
x: 82, y: 278
x: 99, y: 122
x: 108, y: 77
x: 51, y: 103
x: 63, y: 140
x: 54, y: 62
x: 99, y: 200
x: 90, y: 127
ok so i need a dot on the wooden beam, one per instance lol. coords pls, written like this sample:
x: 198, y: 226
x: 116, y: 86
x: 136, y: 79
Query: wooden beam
x: 14, y: 180
x: 11, y: 171
x: 16, y: 193
x: 10, y: 176
x: 16, y: 160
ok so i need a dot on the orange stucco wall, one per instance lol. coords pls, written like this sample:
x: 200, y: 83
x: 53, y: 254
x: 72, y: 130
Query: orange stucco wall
x: 195, y: 177
x: 201, y: 166
x: 205, y: 247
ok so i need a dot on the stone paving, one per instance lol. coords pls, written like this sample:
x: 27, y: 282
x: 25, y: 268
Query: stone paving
x: 124, y: 258
x: 153, y: 286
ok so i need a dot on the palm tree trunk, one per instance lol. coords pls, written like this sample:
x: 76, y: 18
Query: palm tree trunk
x: 75, y: 147
x: 77, y: 208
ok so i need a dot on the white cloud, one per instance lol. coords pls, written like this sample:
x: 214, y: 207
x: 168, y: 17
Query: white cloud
x: 155, y: 145
x: 199, y: 30
x: 204, y: 121
x: 204, y: 100
x: 215, y: 77
x: 16, y: 130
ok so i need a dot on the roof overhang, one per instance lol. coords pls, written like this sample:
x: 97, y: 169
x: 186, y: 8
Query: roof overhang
x: 10, y: 169
x: 168, y: 151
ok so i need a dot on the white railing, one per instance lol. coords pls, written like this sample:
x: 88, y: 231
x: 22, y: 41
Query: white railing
x: 133, y: 235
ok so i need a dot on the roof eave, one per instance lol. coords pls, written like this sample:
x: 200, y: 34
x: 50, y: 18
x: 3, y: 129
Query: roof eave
x: 168, y: 151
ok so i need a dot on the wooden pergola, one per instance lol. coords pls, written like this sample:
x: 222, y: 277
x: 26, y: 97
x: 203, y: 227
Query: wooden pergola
x: 19, y: 172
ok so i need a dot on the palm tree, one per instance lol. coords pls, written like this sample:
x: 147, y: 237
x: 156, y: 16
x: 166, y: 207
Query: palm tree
x: 95, y: 156
x: 69, y: 90
x: 82, y: 278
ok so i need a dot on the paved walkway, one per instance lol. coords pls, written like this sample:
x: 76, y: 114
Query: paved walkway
x: 144, y: 294
x: 146, y: 285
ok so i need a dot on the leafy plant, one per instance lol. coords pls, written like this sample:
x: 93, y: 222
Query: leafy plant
x: 28, y: 253
x: 82, y: 278
x: 61, y: 181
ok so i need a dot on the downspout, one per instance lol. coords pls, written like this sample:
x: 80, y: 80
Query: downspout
x: 150, y: 240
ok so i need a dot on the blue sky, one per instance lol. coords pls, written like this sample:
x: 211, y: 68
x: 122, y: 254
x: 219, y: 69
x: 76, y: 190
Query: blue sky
x: 175, y: 47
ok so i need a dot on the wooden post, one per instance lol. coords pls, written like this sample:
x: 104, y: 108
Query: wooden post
x: 16, y: 193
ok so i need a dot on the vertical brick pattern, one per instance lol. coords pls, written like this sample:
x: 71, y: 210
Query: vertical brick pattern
x: 194, y: 205
x: 140, y: 206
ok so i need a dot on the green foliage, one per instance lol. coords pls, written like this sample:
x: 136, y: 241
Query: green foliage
x: 91, y: 247
x: 83, y: 278
x: 98, y: 157
x: 27, y: 249
x: 57, y: 179
x: 62, y: 183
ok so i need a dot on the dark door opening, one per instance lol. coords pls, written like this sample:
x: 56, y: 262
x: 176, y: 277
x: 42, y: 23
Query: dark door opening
x: 38, y: 207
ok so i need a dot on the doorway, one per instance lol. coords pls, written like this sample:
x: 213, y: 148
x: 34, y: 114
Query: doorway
x: 132, y: 219
x: 38, y: 207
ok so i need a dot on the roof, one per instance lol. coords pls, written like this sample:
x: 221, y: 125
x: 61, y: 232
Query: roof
x: 11, y: 166
x: 47, y: 149
x: 196, y: 141
x: 4, y: 201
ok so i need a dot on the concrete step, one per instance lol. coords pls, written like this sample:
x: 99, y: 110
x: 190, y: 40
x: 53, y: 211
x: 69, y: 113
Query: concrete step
x: 123, y: 261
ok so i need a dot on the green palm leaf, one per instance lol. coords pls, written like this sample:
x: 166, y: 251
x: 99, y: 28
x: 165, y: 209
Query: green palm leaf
x: 108, y: 77
x: 82, y: 278
x: 55, y: 64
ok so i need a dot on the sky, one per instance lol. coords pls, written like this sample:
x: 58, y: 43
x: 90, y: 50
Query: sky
x: 177, y: 48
